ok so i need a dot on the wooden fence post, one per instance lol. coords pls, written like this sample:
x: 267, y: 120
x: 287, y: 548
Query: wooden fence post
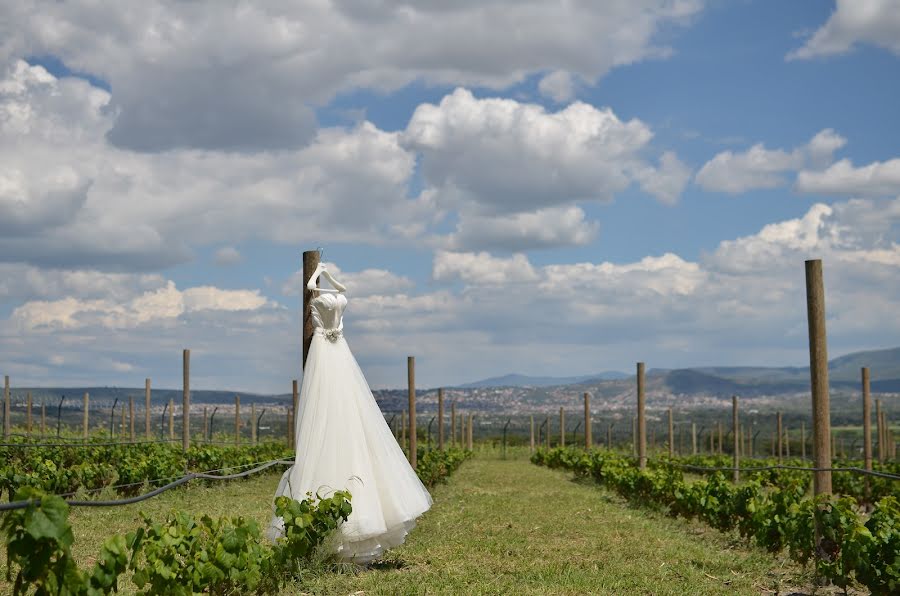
x: 737, y: 439
x: 85, y: 431
x: 131, y: 417
x: 562, y: 427
x: 171, y: 419
x: 253, y: 423
x: 588, y: 440
x: 441, y: 420
x: 237, y: 419
x: 818, y: 368
x: 641, y: 425
x: 28, y: 413
x: 6, y: 425
x: 205, y: 423
x: 310, y: 263
x: 671, y: 435
x: 453, y: 423
x: 778, y: 433
x: 532, y: 435
x: 147, y: 409
x: 292, y: 420
x: 411, y: 382
x: 186, y: 401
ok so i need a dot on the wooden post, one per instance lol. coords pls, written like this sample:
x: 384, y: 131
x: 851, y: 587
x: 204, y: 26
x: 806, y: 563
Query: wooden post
x: 253, y: 423
x: 237, y: 420
x: 736, y: 458
x: 588, y: 440
x: 28, y: 413
x: 411, y: 382
x: 532, y: 434
x: 131, y: 417
x: 147, y: 409
x: 85, y: 423
x: 310, y: 262
x: 441, y: 421
x: 292, y: 419
x: 671, y: 435
x: 803, y: 439
x: 721, y: 436
x: 43, y: 420
x: 122, y: 427
x: 879, y: 435
x: 171, y: 419
x: 453, y: 423
x: 778, y: 434
x: 562, y: 427
x: 205, y: 422
x: 818, y: 368
x: 463, y: 433
x: 641, y: 425
x: 6, y: 425
x: 186, y: 401
x: 471, y: 431
x: 693, y: 438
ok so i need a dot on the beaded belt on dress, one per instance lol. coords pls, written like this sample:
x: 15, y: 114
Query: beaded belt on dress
x: 331, y: 334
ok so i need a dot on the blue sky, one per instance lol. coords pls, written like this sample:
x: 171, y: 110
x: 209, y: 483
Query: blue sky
x: 508, y: 187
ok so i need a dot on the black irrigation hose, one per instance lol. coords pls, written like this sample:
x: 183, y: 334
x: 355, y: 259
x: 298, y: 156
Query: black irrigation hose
x: 187, y: 478
x: 802, y: 468
x: 110, y: 443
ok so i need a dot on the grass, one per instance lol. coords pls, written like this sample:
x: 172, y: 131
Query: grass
x: 499, y: 526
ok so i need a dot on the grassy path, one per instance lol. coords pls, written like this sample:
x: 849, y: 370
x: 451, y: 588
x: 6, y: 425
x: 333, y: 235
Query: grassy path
x: 498, y: 527
x: 510, y: 527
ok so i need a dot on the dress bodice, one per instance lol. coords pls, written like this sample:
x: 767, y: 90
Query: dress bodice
x: 327, y: 311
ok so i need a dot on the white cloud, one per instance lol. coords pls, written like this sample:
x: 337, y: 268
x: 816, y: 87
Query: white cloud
x: 482, y: 268
x: 761, y: 168
x: 544, y: 228
x: 227, y: 255
x: 256, y: 72
x: 843, y: 178
x: 506, y: 156
x: 875, y: 22
x: 558, y: 86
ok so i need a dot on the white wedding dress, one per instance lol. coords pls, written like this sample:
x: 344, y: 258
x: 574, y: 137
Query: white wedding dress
x: 344, y: 443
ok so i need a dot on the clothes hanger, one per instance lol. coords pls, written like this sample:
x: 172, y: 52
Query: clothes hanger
x: 321, y: 269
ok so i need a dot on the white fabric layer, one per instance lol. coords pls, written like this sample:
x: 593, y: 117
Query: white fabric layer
x: 343, y: 442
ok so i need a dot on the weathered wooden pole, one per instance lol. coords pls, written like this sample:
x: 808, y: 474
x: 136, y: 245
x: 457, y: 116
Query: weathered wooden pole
x: 641, y: 425
x: 721, y: 436
x: 6, y: 425
x: 171, y: 419
x: 879, y: 434
x: 28, y: 413
x: 693, y: 438
x: 131, y: 417
x: 818, y: 368
x: 441, y: 421
x: 43, y: 420
x: 186, y: 401
x: 310, y: 263
x: 737, y: 439
x: 85, y: 423
x: 205, y: 423
x: 253, y: 423
x: 588, y: 440
x: 779, y: 435
x: 237, y: 420
x: 562, y: 427
x: 411, y: 381
x: 292, y: 419
x: 147, y: 409
x: 453, y: 423
x: 671, y: 435
x: 532, y: 434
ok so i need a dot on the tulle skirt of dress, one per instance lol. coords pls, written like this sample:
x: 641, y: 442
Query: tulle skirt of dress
x: 344, y: 443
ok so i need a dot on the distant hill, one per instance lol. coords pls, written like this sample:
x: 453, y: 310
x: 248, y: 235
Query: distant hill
x: 517, y: 380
